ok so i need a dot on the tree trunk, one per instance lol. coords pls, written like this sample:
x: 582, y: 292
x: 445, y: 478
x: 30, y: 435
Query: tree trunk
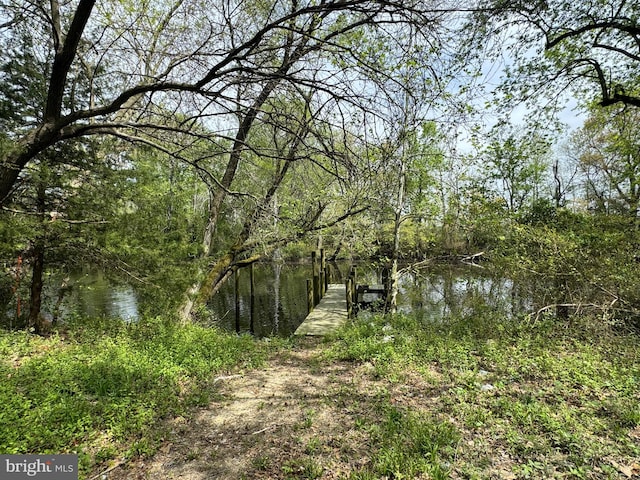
x: 36, y: 287
x: 392, y: 300
x: 35, y: 302
x: 12, y: 163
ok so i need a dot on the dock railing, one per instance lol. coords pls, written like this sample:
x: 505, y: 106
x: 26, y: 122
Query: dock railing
x: 319, y: 282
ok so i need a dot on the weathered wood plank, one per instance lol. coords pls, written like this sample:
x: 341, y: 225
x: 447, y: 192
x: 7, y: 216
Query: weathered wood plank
x: 328, y: 315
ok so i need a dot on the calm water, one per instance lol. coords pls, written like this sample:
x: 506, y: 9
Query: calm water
x: 94, y: 295
x: 280, y: 303
x: 280, y: 296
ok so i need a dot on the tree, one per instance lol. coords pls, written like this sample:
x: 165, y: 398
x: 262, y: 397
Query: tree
x: 591, y: 48
x: 608, y: 147
x: 148, y: 74
x: 293, y: 159
x: 224, y: 65
x: 44, y: 198
x: 514, y: 164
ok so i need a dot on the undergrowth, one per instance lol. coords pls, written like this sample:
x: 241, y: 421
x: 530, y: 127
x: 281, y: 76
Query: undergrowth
x: 101, y: 388
x: 515, y: 399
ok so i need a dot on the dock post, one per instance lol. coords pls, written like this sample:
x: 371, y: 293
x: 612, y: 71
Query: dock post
x: 316, y: 279
x: 237, y: 282
x: 309, y: 296
x: 327, y: 275
x: 354, y: 290
x: 252, y: 300
x: 323, y: 274
x: 349, y: 297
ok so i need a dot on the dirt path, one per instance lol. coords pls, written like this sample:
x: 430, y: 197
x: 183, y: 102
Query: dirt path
x: 294, y: 418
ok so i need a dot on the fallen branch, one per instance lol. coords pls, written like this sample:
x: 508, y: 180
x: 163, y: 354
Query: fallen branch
x: 103, y: 474
x: 226, y: 377
x: 577, y: 306
x: 264, y: 429
x: 416, y: 266
x: 471, y: 259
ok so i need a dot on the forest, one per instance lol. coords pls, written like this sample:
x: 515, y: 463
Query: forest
x: 167, y: 144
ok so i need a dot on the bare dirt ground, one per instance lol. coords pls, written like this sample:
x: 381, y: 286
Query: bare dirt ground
x: 294, y: 418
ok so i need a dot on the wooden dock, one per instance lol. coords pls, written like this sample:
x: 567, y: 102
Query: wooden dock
x: 328, y: 315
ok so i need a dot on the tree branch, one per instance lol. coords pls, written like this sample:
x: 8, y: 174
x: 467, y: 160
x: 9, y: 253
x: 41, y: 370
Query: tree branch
x: 631, y: 29
x: 64, y: 58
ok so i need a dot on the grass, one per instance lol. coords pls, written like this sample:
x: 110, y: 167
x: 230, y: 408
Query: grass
x: 101, y: 389
x: 482, y: 398
x: 470, y: 397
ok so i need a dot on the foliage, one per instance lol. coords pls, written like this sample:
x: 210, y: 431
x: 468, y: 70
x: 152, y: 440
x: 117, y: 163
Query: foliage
x: 102, y: 388
x: 607, y: 148
x: 548, y: 397
x: 514, y: 163
x: 409, y: 444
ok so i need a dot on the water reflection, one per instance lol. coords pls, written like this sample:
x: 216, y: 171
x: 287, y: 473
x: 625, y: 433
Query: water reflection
x: 280, y: 296
x: 460, y: 292
x: 279, y: 302
x: 94, y: 295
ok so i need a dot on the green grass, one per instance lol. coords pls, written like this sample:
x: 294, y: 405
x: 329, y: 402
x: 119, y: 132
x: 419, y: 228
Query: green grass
x: 101, y: 389
x: 537, y: 400
x: 474, y: 397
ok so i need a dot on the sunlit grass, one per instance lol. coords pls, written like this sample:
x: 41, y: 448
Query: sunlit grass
x: 532, y: 399
x: 101, y: 390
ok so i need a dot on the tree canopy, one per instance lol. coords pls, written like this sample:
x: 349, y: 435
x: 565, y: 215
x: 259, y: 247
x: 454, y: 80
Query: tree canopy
x: 212, y: 135
x: 591, y: 49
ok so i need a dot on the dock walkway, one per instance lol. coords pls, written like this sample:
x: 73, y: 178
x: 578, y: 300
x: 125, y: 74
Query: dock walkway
x: 328, y: 315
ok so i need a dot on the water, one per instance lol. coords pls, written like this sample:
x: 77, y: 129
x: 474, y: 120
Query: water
x: 281, y: 305
x: 280, y: 297
x: 94, y: 295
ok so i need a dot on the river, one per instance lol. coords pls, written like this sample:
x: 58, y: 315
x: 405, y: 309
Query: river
x: 280, y: 304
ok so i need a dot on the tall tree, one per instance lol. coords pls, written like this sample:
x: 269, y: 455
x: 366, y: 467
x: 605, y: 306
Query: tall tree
x: 140, y: 55
x: 514, y: 166
x: 193, y: 79
x: 608, y: 147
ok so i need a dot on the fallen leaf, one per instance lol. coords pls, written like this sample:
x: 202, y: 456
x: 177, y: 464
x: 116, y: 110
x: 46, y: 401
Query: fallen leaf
x: 506, y: 475
x: 629, y: 470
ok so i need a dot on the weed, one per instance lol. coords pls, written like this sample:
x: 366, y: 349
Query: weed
x: 302, y: 468
x: 262, y: 462
x: 409, y: 444
x: 307, y: 420
x: 108, y: 380
x: 192, y: 455
x: 561, y: 398
x: 313, y: 446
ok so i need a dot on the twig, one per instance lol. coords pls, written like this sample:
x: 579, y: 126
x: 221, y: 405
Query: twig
x: 111, y: 468
x: 578, y: 306
x: 56, y: 217
x: 226, y: 377
x: 264, y: 429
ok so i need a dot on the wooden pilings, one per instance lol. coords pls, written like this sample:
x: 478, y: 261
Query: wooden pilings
x: 317, y: 286
x: 323, y: 274
x: 352, y: 293
x: 237, y: 282
x: 252, y: 279
x: 310, y: 303
x: 315, y: 275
